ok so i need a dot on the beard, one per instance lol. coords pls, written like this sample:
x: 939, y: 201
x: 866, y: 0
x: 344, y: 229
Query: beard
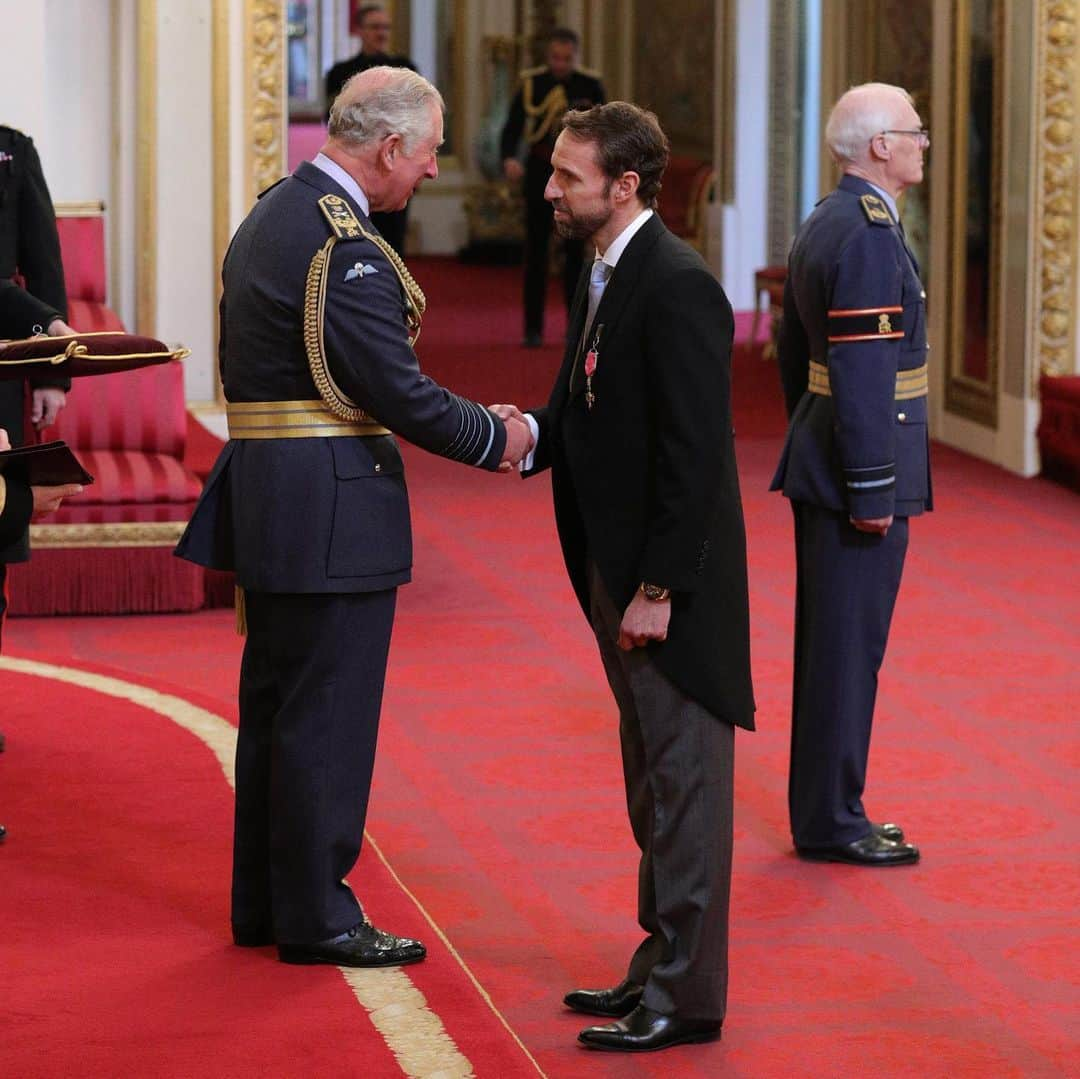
x: 581, y: 226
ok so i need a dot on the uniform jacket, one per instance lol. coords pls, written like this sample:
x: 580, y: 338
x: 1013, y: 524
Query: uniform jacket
x: 583, y: 90
x: 853, y: 302
x: 644, y: 482
x: 321, y: 514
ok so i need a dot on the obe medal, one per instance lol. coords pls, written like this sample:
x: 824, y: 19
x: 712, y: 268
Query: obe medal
x: 592, y: 358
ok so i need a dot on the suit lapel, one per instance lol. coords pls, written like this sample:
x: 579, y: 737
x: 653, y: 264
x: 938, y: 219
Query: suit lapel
x: 616, y: 296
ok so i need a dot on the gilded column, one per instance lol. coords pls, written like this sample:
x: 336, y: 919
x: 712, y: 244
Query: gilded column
x: 266, y: 94
x: 1057, y: 192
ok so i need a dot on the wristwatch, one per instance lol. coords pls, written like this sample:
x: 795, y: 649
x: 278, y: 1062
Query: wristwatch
x: 655, y: 593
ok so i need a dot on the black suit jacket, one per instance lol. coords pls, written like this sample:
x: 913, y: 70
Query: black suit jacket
x: 321, y: 514
x: 644, y: 482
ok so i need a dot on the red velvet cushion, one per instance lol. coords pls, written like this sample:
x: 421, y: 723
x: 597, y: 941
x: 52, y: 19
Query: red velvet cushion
x: 684, y: 181
x: 139, y: 410
x: 82, y: 250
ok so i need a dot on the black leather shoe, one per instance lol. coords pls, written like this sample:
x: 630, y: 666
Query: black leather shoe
x: 3, y: 742
x: 533, y: 340
x: 620, y: 1001
x: 361, y: 946
x: 870, y: 850
x: 3, y: 833
x: 892, y: 832
x: 644, y: 1031
x: 252, y: 936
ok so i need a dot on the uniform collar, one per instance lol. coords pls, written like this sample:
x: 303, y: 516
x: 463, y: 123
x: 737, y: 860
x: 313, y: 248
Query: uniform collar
x: 340, y: 176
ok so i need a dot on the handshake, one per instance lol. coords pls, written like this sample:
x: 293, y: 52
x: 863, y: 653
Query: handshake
x: 519, y: 438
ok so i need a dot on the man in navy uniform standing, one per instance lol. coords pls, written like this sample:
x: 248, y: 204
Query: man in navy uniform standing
x: 536, y: 113
x: 855, y: 464
x: 308, y: 504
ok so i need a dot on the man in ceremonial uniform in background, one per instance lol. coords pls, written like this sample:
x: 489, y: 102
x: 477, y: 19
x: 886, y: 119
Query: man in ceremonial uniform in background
x: 308, y: 504
x: 29, y: 246
x: 855, y: 465
x: 372, y: 25
x: 536, y: 113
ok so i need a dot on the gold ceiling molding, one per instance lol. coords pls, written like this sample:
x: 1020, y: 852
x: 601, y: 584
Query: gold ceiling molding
x: 266, y: 94
x: 1057, y: 189
x: 146, y: 167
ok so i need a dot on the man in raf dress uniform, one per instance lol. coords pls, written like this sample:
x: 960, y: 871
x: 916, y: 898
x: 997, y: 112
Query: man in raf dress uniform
x: 855, y: 464
x: 307, y: 503
x: 536, y: 113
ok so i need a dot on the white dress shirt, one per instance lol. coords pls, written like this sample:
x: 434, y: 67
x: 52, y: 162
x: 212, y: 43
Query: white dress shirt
x: 337, y: 173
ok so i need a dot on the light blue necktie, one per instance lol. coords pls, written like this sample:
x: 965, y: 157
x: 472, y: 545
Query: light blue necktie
x: 598, y: 279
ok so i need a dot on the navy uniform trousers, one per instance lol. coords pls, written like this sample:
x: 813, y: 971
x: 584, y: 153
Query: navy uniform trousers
x: 847, y: 586
x: 311, y: 689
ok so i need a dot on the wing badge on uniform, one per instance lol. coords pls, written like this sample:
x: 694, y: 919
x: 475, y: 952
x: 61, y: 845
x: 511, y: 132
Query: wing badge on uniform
x: 359, y: 269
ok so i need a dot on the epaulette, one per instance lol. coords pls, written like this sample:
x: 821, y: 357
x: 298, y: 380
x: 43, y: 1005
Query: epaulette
x: 530, y: 72
x: 267, y: 190
x: 877, y: 213
x: 341, y: 218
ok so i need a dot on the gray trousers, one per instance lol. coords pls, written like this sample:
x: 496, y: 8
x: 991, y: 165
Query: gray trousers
x: 678, y: 764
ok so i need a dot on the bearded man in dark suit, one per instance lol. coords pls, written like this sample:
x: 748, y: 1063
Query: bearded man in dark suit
x: 639, y: 439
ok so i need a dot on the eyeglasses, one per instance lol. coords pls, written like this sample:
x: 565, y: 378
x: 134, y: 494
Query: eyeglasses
x: 922, y: 134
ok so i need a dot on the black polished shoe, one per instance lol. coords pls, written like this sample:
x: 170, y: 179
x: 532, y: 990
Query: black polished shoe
x: 620, y: 1001
x: 533, y: 340
x: 870, y: 850
x: 892, y: 832
x: 252, y: 936
x: 3, y: 833
x: 361, y: 946
x: 644, y: 1031
x: 3, y: 742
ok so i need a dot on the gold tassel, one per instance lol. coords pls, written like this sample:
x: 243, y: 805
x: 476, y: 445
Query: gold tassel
x: 241, y: 611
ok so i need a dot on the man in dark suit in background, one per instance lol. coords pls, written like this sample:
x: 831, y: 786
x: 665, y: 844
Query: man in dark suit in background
x: 536, y: 114
x: 372, y: 25
x: 308, y: 504
x: 639, y: 439
x: 855, y: 465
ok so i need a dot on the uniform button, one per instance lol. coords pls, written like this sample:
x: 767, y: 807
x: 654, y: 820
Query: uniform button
x: 901, y: 416
x: 378, y: 468
x: 923, y: 294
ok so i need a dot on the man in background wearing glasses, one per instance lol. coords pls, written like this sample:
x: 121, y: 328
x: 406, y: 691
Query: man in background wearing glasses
x: 855, y: 465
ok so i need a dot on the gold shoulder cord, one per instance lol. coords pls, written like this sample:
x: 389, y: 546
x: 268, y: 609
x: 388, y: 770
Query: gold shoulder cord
x: 345, y: 225
x: 543, y: 117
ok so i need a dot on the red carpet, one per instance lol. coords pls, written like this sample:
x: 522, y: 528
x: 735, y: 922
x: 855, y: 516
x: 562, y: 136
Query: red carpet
x: 498, y: 803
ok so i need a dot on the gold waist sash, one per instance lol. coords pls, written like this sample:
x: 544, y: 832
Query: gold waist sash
x: 294, y: 419
x: 909, y: 384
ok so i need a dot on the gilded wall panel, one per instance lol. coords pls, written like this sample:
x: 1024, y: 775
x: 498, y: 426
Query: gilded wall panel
x: 673, y: 64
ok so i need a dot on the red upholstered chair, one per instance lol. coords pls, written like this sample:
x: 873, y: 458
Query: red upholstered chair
x: 684, y: 197
x: 771, y: 281
x: 109, y: 550
x: 1059, y: 428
